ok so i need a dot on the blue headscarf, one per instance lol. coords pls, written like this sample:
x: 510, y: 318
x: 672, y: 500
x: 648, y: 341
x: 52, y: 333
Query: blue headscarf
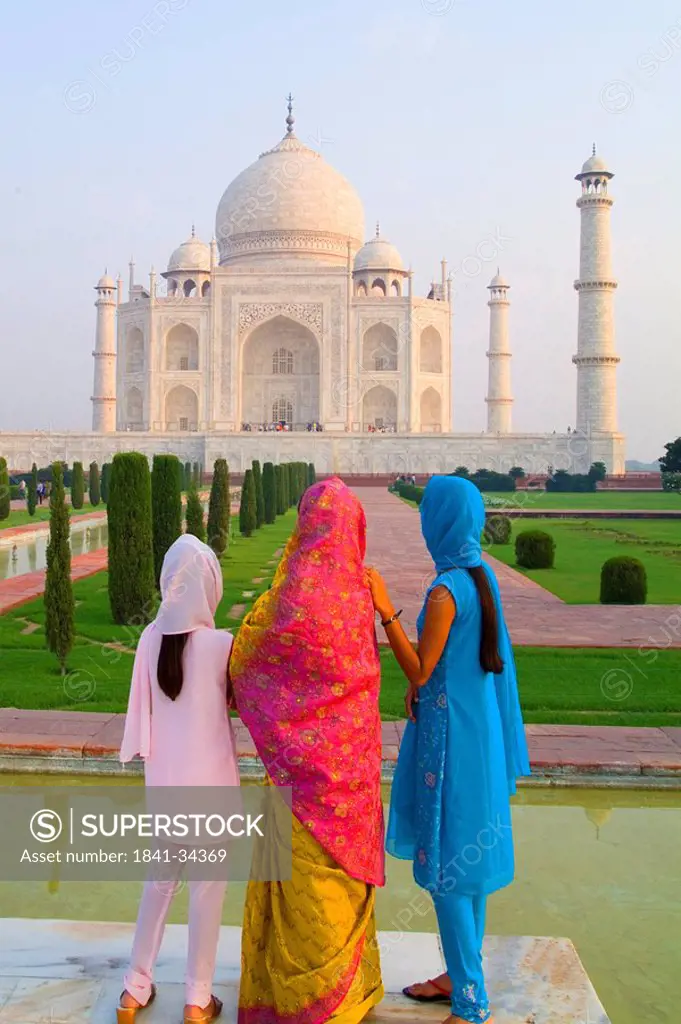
x: 452, y: 521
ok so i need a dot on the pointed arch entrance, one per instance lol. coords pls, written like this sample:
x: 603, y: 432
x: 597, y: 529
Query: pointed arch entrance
x: 280, y: 371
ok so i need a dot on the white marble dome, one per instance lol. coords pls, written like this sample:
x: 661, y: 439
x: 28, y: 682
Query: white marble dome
x: 498, y: 281
x: 191, y: 255
x: 289, y: 202
x: 105, y: 282
x: 378, y: 254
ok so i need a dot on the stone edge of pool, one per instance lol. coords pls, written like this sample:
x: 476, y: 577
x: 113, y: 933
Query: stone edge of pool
x: 87, y: 743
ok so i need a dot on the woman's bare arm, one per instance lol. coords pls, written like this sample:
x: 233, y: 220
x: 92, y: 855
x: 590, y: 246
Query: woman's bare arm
x: 416, y: 663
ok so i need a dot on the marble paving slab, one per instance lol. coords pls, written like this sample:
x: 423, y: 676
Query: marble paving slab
x: 69, y: 972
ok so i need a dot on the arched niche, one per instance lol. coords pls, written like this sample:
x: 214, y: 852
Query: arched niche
x: 430, y: 355
x: 379, y: 408
x: 431, y: 410
x: 182, y: 348
x: 280, y: 360
x: 134, y: 409
x: 379, y: 349
x: 182, y: 408
x: 134, y: 350
x: 378, y: 287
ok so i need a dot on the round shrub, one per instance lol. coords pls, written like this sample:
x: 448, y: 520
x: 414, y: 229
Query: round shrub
x: 535, y: 549
x: 498, y: 530
x: 623, y: 581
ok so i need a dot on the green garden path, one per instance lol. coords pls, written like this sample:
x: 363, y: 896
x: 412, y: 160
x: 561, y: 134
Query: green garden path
x: 535, y: 617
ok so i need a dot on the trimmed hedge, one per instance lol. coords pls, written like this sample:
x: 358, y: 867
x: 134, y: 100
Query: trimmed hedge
x: 132, y: 591
x: 259, y: 494
x: 219, y: 508
x: 166, y: 507
x: 77, y: 486
x: 409, y: 491
x: 194, y: 514
x: 269, y: 487
x: 623, y: 581
x: 535, y: 549
x: 58, y: 597
x: 498, y: 530
x: 311, y: 474
x: 93, y: 484
x: 247, y: 513
x: 5, y: 499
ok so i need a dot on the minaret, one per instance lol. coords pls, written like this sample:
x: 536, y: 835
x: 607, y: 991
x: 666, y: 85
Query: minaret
x: 104, y: 389
x: 596, y: 359
x: 499, y: 399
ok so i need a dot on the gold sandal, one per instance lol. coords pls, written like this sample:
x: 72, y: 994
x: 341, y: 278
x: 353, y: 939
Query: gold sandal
x: 127, y: 1014
x: 212, y: 1012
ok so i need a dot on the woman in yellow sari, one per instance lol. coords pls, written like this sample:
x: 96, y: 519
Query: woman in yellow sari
x: 306, y: 677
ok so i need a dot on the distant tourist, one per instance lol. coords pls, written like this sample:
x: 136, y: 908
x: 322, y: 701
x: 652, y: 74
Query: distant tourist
x: 178, y: 721
x: 464, y: 744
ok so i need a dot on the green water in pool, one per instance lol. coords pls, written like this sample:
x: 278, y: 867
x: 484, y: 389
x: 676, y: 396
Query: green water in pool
x: 601, y: 867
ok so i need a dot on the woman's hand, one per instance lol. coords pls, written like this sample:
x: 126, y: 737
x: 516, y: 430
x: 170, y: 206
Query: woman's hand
x: 379, y: 594
x: 411, y: 697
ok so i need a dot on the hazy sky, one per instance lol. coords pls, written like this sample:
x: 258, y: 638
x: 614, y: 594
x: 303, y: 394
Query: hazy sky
x: 456, y: 120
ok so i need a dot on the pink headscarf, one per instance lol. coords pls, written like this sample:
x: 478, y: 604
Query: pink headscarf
x: 306, y: 674
x: 191, y: 590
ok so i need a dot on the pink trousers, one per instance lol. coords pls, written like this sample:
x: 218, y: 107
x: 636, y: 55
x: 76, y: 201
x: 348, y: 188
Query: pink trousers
x: 205, y: 915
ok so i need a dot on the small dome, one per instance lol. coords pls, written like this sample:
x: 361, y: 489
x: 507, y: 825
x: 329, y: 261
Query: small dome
x: 105, y: 282
x: 594, y: 164
x: 498, y: 282
x: 191, y: 255
x: 378, y: 255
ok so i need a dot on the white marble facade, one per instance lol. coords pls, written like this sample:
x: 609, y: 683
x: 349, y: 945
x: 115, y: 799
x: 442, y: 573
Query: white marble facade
x: 289, y: 315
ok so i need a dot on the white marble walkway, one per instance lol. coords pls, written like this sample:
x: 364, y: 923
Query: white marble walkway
x: 69, y: 972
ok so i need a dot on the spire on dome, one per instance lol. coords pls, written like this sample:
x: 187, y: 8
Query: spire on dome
x: 378, y: 229
x: 193, y: 230
x: 290, y: 120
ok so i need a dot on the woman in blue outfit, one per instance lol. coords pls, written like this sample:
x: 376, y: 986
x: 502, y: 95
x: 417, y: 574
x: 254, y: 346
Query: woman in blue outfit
x: 464, y: 744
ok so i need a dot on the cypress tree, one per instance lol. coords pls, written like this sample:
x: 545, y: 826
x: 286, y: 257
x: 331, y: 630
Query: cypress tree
x: 131, y: 551
x: 93, y: 484
x: 5, y: 506
x: 269, y: 487
x: 77, y: 486
x: 32, y: 491
x: 280, y: 479
x: 166, y: 507
x: 105, y: 481
x: 194, y: 514
x: 259, y: 494
x: 187, y: 476
x: 219, y: 508
x: 292, y: 486
x: 247, y: 512
x: 311, y: 474
x: 196, y: 475
x: 58, y: 596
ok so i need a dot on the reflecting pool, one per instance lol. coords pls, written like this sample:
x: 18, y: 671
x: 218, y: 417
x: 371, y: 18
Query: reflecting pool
x: 601, y: 867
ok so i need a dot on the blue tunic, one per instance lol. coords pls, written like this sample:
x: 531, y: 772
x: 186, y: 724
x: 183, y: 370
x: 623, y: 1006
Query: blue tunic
x: 458, y: 764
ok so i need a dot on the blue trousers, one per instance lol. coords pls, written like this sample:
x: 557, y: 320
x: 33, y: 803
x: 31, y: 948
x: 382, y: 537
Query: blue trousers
x: 461, y: 920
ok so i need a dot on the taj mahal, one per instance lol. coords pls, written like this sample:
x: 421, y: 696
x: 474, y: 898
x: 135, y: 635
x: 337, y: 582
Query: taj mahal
x: 290, y: 336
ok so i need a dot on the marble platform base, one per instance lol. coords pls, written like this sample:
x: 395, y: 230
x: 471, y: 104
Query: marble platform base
x: 68, y: 972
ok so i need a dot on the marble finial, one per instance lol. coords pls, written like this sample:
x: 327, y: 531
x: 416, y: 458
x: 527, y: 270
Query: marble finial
x: 593, y: 152
x: 290, y: 120
x: 378, y: 229
x: 193, y: 230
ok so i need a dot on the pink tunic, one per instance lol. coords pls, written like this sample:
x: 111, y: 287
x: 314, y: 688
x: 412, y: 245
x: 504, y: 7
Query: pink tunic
x: 188, y: 741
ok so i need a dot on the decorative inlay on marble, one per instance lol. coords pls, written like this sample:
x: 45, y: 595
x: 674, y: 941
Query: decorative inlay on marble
x: 308, y: 313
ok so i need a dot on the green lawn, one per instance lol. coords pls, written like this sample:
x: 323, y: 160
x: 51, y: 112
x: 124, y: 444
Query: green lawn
x: 20, y: 517
x: 100, y: 664
x: 583, y: 545
x: 598, y: 499
x: 579, y: 687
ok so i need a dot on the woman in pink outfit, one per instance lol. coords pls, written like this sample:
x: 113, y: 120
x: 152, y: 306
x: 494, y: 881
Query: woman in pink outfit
x: 178, y: 721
